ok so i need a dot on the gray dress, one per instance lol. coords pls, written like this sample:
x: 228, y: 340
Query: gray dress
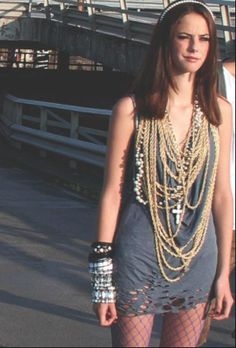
x: 140, y: 286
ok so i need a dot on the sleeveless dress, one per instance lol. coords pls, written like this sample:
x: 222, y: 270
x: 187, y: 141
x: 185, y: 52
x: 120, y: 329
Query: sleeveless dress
x: 141, y: 288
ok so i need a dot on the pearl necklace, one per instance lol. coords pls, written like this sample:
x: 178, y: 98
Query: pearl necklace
x: 170, y: 194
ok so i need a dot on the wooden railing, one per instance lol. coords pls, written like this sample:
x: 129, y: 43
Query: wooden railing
x: 76, y: 132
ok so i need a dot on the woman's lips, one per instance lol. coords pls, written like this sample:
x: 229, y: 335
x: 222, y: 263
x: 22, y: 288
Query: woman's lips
x: 191, y: 59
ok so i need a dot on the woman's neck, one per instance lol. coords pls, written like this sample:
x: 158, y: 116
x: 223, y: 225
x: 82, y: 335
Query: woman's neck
x: 184, y: 91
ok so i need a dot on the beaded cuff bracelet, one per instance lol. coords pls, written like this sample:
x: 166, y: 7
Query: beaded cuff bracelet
x: 101, y: 271
x: 100, y: 250
x: 104, y: 296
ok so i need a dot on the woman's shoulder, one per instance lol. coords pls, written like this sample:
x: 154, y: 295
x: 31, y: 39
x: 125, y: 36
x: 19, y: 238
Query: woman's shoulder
x: 230, y: 67
x: 124, y: 110
x: 224, y: 104
x: 125, y: 104
x: 225, y: 109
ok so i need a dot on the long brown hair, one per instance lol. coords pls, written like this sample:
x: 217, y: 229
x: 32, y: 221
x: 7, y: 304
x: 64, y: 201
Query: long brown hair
x: 151, y: 87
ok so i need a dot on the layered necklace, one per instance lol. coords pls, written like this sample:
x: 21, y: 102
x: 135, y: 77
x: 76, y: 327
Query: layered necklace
x: 169, y: 192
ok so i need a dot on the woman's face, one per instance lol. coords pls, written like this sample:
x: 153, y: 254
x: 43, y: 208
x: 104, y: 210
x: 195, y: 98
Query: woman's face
x: 190, y: 44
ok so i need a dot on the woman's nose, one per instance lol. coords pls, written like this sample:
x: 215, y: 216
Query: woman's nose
x: 193, y: 47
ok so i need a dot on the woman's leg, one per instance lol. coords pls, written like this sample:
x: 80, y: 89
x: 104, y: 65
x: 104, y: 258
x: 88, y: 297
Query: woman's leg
x: 183, y: 329
x: 132, y: 331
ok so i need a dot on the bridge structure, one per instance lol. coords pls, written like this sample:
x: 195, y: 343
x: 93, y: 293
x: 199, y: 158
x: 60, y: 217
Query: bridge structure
x: 113, y: 33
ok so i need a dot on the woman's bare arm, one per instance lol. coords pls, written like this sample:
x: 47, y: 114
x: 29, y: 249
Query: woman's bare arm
x: 120, y: 134
x: 223, y: 214
x: 230, y: 66
x: 223, y: 200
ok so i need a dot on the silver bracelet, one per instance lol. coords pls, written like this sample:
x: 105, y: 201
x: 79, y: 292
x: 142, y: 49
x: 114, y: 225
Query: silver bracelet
x: 101, y: 274
x: 107, y: 295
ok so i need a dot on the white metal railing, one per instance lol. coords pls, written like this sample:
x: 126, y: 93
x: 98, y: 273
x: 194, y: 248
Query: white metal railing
x: 68, y: 130
x: 126, y: 18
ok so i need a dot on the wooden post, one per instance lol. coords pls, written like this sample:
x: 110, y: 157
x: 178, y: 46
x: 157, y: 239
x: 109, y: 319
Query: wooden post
x: 43, y: 119
x: 125, y: 17
x: 63, y: 60
x: 62, y: 5
x: 46, y: 6
x: 74, y: 133
x: 43, y: 127
x: 74, y: 126
x: 18, y: 120
x: 30, y: 7
x: 18, y: 114
x: 91, y: 13
x: 225, y: 15
x: 10, y: 57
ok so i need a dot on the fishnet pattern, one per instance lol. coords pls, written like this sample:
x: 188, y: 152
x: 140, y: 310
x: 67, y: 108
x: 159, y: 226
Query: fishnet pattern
x: 133, y: 331
x: 183, y: 329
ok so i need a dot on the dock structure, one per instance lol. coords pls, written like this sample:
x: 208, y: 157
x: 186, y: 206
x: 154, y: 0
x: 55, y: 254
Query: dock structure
x: 113, y: 33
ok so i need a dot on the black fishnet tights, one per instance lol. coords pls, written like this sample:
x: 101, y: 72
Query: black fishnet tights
x: 179, y: 330
x: 132, y: 331
x: 184, y: 328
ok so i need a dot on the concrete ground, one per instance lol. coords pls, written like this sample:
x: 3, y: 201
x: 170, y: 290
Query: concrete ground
x: 45, y: 233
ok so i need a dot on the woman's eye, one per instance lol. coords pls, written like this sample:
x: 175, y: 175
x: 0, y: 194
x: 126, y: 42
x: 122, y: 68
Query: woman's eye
x: 205, y: 39
x: 182, y: 37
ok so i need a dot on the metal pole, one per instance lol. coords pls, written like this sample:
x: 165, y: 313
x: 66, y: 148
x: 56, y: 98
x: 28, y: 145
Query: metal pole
x: 123, y: 7
x: 91, y: 9
x: 30, y: 6
x: 91, y: 13
x: 46, y: 6
x: 62, y: 5
x: 125, y: 17
x: 18, y: 114
x: 225, y: 15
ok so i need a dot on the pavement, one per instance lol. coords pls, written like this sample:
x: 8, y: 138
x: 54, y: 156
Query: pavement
x: 45, y: 232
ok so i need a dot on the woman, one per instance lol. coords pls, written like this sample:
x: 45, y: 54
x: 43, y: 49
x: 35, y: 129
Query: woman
x: 167, y: 169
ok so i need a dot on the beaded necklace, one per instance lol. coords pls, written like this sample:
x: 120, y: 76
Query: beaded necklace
x: 172, y: 192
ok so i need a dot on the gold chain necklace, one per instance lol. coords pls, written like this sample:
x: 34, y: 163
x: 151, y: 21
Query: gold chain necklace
x: 171, y: 193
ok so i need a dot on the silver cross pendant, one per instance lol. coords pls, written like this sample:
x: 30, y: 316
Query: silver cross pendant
x: 177, y: 211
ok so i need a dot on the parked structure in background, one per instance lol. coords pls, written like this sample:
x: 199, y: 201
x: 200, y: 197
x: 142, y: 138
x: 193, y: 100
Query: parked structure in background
x: 28, y: 58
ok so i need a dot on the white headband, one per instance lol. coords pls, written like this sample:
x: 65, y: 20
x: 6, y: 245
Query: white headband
x: 184, y: 2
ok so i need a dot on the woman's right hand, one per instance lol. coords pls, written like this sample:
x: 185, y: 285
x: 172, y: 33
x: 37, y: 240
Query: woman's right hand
x: 106, y: 313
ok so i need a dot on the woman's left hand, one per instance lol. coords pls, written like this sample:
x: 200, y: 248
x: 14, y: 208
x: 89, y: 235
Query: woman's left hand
x: 223, y: 301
